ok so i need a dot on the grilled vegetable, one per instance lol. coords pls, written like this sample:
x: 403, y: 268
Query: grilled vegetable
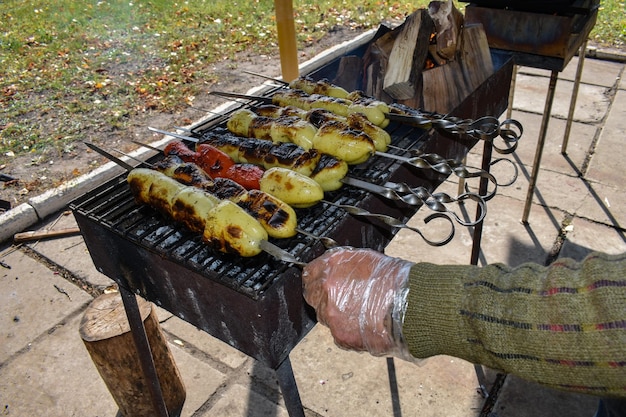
x: 263, y: 152
x: 248, y: 175
x: 374, y: 110
x: 329, y: 172
x: 325, y: 87
x: 337, y: 139
x: 246, y: 123
x: 225, y: 225
x: 277, y: 217
x: 292, y: 188
x: 317, y: 117
x: 231, y: 229
x: 216, y: 163
x: 213, y: 161
x: 331, y: 136
x: 325, y: 169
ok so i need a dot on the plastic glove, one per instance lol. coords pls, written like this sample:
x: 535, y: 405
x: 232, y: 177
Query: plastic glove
x: 360, y: 294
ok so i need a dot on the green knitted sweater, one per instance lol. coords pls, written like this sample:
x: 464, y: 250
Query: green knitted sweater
x: 563, y: 326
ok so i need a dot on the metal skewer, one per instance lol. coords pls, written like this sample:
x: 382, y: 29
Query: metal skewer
x: 395, y: 223
x: 413, y: 196
x: 266, y: 246
x: 485, y: 128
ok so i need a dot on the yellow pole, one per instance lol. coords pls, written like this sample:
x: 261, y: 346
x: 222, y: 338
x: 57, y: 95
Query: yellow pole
x: 287, y: 39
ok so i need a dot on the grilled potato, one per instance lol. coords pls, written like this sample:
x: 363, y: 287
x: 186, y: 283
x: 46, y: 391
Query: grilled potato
x: 294, y: 189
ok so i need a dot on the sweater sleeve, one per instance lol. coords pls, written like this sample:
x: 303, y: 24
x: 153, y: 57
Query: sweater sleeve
x: 563, y: 326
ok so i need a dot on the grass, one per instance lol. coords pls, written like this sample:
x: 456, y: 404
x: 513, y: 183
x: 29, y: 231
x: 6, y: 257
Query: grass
x: 68, y: 68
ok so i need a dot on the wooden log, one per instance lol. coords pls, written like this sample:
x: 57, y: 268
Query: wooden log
x: 375, y: 62
x: 349, y: 73
x: 406, y: 61
x: 448, y: 22
x: 444, y: 87
x: 106, y: 334
x: 475, y: 56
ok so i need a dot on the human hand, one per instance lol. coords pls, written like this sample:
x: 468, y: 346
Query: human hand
x: 360, y: 294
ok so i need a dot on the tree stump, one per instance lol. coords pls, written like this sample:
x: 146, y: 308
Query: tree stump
x: 106, y: 334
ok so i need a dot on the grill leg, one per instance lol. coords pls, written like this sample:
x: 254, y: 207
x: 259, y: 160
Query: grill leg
x: 572, y: 103
x: 540, y: 143
x: 289, y: 389
x: 144, y: 351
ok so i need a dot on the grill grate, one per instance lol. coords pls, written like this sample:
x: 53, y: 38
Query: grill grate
x: 112, y: 206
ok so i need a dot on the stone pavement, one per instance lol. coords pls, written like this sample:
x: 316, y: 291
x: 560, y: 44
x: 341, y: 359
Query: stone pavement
x: 579, y: 206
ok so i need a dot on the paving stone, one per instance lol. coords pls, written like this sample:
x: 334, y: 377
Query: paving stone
x: 55, y: 377
x: 579, y: 144
x: 239, y: 400
x: 201, y: 380
x: 607, y: 164
x: 604, y: 204
x: 595, y: 71
x: 585, y: 236
x: 70, y: 252
x: 33, y: 301
x: 190, y: 335
x: 519, y: 398
x: 334, y: 382
x: 530, y: 95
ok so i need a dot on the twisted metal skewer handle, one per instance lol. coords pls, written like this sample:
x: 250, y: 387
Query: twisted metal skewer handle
x: 395, y: 223
x: 437, y: 201
x: 446, y: 167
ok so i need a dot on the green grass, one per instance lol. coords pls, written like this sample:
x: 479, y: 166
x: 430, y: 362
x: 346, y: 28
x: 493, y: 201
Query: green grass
x: 68, y: 67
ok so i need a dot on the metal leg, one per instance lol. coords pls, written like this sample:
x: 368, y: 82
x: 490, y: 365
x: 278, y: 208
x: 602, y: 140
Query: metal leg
x: 482, y: 190
x: 143, y: 349
x: 289, y: 389
x: 572, y: 103
x: 509, y: 109
x: 393, y: 387
x: 540, y: 143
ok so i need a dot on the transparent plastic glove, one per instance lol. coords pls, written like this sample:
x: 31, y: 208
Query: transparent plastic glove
x: 360, y: 294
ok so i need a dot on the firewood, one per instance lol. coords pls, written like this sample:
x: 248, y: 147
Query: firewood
x: 375, y: 62
x: 406, y: 61
x: 475, y: 56
x: 349, y: 73
x: 448, y: 23
x: 444, y: 87
x: 106, y: 334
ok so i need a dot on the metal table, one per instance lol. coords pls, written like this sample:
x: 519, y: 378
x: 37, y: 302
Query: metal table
x: 544, y: 41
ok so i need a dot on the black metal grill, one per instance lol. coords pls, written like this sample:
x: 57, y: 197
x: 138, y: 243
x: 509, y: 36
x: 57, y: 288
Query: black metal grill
x: 255, y: 304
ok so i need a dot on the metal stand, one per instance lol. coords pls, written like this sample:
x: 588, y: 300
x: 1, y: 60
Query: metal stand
x: 288, y: 387
x: 544, y: 127
x: 143, y: 349
x: 284, y: 372
x: 572, y: 103
x: 540, y: 143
